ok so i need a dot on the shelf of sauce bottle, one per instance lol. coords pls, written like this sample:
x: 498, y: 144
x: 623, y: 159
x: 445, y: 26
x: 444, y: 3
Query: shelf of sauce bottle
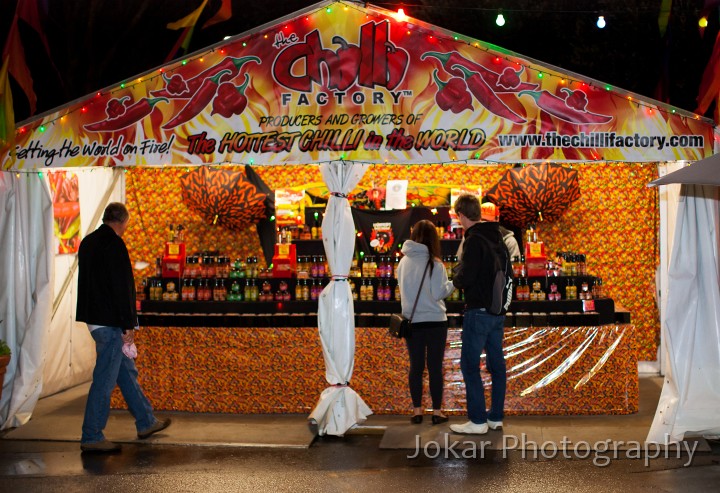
x: 216, y: 278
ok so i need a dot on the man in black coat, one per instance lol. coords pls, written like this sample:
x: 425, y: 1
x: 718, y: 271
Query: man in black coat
x: 106, y: 302
x: 482, y: 329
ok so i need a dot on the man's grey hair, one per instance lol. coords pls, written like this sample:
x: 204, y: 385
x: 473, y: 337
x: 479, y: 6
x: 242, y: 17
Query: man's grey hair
x: 115, y: 212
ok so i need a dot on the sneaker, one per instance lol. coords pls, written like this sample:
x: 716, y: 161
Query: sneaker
x: 159, y: 425
x: 470, y: 428
x: 495, y: 425
x: 104, y: 446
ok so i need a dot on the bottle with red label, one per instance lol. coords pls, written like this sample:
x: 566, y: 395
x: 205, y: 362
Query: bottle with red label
x: 188, y: 290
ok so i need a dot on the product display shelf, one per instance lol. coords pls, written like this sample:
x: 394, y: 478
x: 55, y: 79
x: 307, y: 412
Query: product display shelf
x: 367, y: 313
x: 561, y: 282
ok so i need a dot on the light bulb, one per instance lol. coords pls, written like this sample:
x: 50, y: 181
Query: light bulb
x: 702, y: 22
x: 500, y: 21
x: 601, y: 22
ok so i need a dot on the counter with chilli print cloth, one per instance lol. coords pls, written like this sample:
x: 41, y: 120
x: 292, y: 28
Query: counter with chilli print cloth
x: 551, y: 370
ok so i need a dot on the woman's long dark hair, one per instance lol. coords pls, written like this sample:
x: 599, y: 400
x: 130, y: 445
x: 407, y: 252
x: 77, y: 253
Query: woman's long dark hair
x: 424, y: 232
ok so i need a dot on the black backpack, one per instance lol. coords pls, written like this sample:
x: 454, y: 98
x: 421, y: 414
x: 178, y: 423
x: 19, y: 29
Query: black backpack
x: 502, y: 278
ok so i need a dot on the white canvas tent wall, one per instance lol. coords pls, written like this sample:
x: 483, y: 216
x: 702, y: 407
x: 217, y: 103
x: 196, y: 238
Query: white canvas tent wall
x: 51, y: 352
x: 41, y: 141
x: 26, y: 273
x: 690, y: 399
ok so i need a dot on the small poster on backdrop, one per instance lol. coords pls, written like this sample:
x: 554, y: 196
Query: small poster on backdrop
x: 289, y: 207
x: 380, y: 232
x: 396, y: 194
x: 66, y: 210
x: 454, y: 194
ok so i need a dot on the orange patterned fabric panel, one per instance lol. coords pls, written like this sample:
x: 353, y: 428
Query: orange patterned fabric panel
x: 615, y: 222
x: 551, y: 370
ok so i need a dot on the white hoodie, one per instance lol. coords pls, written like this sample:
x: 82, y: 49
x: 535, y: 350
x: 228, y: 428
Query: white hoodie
x: 430, y: 307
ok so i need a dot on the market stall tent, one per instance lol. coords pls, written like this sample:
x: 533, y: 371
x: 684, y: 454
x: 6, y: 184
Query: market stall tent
x: 340, y: 84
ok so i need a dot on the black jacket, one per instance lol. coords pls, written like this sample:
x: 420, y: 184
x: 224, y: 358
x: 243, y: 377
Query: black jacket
x: 106, y: 286
x: 475, y: 270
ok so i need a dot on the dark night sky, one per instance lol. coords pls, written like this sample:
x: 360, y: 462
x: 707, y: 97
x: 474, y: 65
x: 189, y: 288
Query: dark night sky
x: 97, y: 43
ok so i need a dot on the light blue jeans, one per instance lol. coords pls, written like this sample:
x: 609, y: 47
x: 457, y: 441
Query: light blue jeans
x: 483, y: 331
x: 113, y: 367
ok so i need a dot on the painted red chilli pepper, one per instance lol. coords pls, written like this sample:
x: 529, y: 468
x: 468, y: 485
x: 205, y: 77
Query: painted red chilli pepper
x: 229, y: 63
x: 176, y: 85
x: 66, y: 209
x: 397, y: 64
x: 343, y: 64
x: 449, y: 60
x: 487, y: 97
x: 133, y: 114
x: 510, y: 79
x: 575, y: 99
x: 116, y: 107
x: 556, y: 107
x: 199, y: 101
x: 230, y: 99
x: 452, y: 95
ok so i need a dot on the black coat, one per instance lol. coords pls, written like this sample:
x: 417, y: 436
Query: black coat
x: 476, y: 269
x: 106, y: 286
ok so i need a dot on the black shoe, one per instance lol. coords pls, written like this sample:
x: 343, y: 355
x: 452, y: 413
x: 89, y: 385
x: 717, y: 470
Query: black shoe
x: 159, y: 425
x: 102, y: 447
x: 416, y: 419
x: 436, y: 420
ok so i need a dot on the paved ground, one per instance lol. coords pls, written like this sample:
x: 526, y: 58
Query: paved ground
x: 352, y: 463
x: 377, y: 457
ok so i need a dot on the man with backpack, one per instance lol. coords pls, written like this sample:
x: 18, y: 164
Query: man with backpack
x: 485, y: 273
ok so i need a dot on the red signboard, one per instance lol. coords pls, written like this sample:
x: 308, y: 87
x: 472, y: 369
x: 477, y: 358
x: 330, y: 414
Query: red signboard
x: 345, y: 82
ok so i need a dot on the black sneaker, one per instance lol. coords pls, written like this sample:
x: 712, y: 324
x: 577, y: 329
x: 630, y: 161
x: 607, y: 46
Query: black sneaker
x: 159, y: 425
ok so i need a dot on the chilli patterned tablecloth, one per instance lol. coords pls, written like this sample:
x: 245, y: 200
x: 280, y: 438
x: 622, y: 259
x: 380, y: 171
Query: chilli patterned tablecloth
x: 551, y: 370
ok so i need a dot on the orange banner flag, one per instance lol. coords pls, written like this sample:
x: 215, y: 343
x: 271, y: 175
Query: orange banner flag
x: 224, y: 13
x: 7, y: 116
x: 17, y: 66
x: 29, y: 11
x: 187, y: 23
x: 189, y: 20
x: 709, y: 89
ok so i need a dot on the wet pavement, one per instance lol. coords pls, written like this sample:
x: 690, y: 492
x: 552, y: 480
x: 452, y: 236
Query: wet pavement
x: 351, y: 463
x: 227, y: 453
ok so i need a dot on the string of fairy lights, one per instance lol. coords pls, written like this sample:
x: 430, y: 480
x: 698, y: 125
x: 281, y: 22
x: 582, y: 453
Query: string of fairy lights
x: 412, y: 27
x: 229, y: 164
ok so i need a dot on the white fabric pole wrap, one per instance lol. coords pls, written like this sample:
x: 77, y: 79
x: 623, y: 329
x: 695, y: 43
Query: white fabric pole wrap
x: 690, y: 398
x: 339, y: 407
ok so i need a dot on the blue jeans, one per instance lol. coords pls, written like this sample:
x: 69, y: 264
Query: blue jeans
x: 483, y: 331
x: 113, y: 367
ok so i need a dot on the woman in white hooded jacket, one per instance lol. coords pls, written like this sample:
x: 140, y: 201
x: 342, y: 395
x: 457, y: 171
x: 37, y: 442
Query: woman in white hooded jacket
x: 429, y: 322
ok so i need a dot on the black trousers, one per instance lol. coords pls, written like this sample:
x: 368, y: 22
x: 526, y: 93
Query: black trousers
x: 427, y: 342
